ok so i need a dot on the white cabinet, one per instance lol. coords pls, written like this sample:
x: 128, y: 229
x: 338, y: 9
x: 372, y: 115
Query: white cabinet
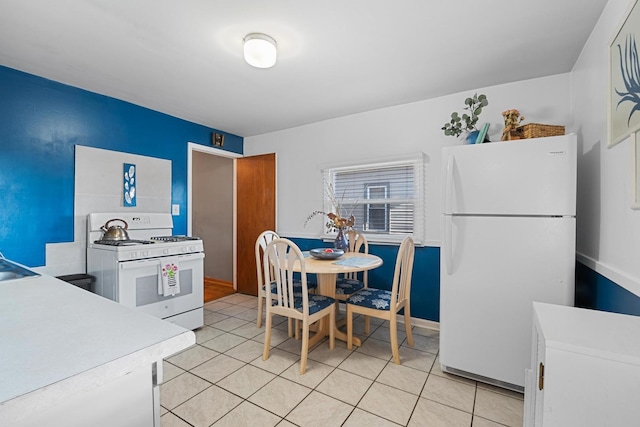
x: 71, y: 358
x: 585, y: 368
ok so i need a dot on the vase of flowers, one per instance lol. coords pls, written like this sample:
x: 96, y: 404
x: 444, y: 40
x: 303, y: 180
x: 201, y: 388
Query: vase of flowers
x: 339, y: 220
x: 341, y: 241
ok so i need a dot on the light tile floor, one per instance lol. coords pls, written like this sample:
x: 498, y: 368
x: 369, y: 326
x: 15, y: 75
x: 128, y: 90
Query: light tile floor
x: 223, y: 381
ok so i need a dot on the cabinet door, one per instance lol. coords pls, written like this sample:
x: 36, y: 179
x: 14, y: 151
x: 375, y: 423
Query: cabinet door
x: 533, y: 396
x: 538, y: 371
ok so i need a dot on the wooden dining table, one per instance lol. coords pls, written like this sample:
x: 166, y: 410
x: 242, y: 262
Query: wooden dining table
x: 327, y: 271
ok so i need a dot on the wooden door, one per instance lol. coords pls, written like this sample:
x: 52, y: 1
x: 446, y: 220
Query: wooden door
x: 256, y: 212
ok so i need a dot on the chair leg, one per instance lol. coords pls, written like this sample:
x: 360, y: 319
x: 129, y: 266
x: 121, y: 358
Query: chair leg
x: 393, y: 331
x: 261, y: 301
x: 407, y: 325
x: 305, y: 346
x: 290, y: 327
x: 367, y: 325
x: 297, y: 333
x: 267, y: 336
x: 332, y: 330
x: 349, y: 327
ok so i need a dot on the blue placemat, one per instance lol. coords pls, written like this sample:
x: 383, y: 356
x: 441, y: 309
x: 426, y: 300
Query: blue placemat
x: 355, y: 262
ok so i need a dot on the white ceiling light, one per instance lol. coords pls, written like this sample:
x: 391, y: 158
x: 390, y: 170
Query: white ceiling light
x: 260, y: 50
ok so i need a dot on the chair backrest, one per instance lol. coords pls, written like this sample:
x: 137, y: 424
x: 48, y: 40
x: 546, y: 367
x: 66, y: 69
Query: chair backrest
x: 401, y: 288
x: 262, y: 241
x: 357, y: 243
x: 282, y: 254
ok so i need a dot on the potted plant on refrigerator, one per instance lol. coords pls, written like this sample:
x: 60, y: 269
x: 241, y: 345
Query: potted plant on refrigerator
x: 466, y: 123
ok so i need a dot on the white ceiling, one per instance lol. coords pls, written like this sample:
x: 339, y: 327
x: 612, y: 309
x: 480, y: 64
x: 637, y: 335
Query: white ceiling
x: 335, y: 58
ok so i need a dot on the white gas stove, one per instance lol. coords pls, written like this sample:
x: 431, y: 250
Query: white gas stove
x: 152, y: 270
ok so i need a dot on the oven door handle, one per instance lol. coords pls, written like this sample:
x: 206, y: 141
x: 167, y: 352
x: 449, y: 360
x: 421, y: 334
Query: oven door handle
x: 141, y: 263
x: 126, y: 265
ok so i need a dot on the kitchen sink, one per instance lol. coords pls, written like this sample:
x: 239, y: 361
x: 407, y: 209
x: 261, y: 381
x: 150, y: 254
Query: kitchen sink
x: 11, y: 271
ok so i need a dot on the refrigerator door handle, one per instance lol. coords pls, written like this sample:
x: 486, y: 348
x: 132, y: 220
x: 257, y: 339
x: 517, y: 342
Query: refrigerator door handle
x: 447, y: 242
x: 448, y: 186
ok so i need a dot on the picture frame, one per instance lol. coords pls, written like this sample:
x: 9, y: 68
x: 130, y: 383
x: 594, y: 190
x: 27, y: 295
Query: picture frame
x: 624, y: 79
x: 129, y: 185
x: 217, y: 139
x: 635, y: 172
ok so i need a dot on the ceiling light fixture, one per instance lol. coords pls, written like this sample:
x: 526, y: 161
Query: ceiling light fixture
x: 260, y: 50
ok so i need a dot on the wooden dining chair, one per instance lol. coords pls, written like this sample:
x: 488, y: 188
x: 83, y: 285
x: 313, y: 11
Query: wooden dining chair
x: 281, y: 255
x: 385, y: 304
x: 262, y: 241
x: 348, y: 284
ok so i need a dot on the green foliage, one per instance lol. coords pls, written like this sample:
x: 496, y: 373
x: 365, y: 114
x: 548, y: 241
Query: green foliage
x: 467, y: 122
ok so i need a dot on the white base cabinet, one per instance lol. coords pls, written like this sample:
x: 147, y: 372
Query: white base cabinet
x: 585, y: 368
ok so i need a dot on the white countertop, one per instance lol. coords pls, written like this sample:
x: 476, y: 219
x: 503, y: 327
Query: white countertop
x: 56, y: 338
x: 591, y: 332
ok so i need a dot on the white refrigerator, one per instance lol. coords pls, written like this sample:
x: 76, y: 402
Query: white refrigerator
x: 508, y: 239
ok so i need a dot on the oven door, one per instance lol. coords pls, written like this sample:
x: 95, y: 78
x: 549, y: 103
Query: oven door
x: 138, y: 283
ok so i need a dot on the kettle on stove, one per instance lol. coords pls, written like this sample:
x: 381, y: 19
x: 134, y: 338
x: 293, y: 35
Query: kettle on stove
x: 115, y: 232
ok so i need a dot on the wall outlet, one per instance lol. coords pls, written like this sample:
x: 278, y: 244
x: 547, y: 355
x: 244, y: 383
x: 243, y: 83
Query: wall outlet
x: 175, y: 209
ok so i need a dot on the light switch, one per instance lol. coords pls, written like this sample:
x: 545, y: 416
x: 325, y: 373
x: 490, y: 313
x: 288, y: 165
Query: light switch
x: 175, y: 209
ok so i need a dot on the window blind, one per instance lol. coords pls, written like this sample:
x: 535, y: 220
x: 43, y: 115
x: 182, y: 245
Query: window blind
x: 385, y: 197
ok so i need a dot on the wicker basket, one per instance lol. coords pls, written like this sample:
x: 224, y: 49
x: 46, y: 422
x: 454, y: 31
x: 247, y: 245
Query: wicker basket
x: 536, y: 130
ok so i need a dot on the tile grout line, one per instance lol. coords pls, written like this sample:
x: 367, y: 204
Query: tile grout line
x: 245, y: 308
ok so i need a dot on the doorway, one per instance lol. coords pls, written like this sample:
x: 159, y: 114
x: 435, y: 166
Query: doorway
x: 212, y: 190
x: 217, y: 210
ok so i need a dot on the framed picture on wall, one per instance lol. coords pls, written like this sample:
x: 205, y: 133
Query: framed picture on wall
x: 217, y: 139
x: 635, y: 171
x: 129, y: 185
x: 624, y: 79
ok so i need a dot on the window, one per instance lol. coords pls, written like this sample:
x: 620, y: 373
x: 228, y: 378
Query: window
x: 385, y: 197
x: 376, y: 216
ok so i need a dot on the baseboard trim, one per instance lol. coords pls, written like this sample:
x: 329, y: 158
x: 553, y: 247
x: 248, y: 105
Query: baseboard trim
x: 420, y: 323
x: 217, y: 282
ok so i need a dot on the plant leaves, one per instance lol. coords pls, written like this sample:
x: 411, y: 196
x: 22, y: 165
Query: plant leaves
x: 474, y: 106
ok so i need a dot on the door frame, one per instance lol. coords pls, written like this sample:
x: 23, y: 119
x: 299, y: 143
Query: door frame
x: 191, y: 147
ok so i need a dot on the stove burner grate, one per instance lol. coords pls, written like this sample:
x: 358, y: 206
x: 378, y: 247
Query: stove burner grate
x: 174, y: 238
x: 129, y: 242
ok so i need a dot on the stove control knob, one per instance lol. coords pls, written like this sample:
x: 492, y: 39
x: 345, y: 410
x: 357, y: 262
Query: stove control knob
x: 134, y: 255
x: 192, y: 248
x: 165, y: 251
x: 183, y: 249
x: 145, y: 253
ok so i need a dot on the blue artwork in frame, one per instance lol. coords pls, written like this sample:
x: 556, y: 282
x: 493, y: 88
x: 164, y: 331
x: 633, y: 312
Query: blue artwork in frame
x: 130, y: 184
x: 624, y: 79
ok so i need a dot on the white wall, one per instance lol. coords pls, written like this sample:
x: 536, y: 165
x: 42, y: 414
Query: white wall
x: 98, y: 188
x: 301, y: 152
x: 608, y: 230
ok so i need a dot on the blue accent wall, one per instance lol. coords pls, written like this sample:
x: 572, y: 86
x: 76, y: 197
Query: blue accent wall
x: 41, y: 121
x: 425, y: 282
x: 597, y: 292
x: 593, y: 290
